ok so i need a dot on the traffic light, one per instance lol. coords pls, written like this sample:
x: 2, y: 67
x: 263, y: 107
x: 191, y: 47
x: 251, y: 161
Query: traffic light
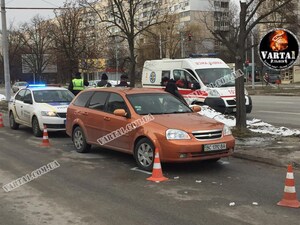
x: 190, y: 37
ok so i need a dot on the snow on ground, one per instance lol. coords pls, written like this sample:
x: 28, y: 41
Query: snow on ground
x: 254, y: 125
x: 2, y: 97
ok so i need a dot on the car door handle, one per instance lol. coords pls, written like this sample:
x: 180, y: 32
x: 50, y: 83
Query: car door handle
x: 85, y: 113
x: 106, y: 118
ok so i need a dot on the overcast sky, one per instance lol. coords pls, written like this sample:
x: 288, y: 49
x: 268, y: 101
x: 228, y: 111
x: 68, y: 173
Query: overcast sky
x: 18, y: 16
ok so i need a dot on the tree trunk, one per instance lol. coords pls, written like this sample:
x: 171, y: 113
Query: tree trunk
x: 239, y: 84
x: 132, y: 62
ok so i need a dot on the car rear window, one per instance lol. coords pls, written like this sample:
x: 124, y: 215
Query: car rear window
x: 82, y: 99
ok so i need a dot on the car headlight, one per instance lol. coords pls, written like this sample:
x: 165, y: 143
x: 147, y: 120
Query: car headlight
x: 173, y: 134
x: 214, y: 93
x: 226, y: 130
x: 49, y: 113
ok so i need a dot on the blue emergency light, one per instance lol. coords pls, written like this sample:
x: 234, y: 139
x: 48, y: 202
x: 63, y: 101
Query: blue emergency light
x: 199, y: 55
x: 36, y: 85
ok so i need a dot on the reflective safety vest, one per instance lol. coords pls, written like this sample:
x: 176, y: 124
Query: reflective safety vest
x: 77, y: 84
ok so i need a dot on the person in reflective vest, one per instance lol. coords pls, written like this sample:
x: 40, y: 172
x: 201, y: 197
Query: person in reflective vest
x: 77, y: 84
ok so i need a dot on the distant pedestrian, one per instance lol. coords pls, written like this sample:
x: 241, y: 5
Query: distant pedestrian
x: 77, y: 84
x: 104, y: 81
x: 123, y: 82
x: 267, y: 79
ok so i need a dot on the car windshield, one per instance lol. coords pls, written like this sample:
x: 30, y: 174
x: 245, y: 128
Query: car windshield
x: 47, y: 96
x: 157, y: 103
x: 217, y: 77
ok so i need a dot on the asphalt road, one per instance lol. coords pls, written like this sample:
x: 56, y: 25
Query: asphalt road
x: 277, y: 110
x: 102, y: 187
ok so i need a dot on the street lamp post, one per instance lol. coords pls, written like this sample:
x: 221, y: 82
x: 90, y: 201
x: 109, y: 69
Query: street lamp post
x: 5, y: 51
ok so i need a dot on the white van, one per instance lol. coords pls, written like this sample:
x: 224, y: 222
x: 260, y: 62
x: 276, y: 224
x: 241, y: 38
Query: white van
x: 207, y: 81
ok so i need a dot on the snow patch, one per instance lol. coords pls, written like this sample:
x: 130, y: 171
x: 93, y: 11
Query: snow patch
x: 2, y: 97
x: 255, y: 125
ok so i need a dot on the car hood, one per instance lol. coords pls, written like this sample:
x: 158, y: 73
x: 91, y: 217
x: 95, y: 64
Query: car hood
x: 188, y: 122
x: 54, y: 106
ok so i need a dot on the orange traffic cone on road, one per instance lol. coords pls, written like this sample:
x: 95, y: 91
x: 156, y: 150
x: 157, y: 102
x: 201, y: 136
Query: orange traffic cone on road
x: 289, y: 196
x: 157, y: 174
x: 1, y: 121
x: 45, y: 141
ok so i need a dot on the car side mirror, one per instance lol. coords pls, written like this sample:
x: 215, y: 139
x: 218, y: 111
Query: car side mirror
x: 196, y: 108
x: 120, y: 112
x: 27, y: 101
x: 196, y: 86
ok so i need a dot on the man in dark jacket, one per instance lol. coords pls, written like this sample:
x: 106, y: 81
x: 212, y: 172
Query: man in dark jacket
x: 123, y: 82
x: 77, y: 84
x: 104, y: 82
x: 172, y: 89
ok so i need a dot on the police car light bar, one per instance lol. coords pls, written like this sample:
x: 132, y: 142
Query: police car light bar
x: 194, y: 55
x: 36, y: 85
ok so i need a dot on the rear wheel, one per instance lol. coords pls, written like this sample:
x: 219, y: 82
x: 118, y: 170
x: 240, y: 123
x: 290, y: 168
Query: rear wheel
x: 79, y: 141
x: 36, y: 127
x: 12, y: 123
x: 144, y: 154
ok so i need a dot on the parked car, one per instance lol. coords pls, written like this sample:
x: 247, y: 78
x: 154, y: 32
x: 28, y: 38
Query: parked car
x: 18, y: 86
x: 105, y: 117
x: 273, y: 78
x: 38, y: 106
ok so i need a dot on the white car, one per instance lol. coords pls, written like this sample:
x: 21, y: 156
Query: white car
x: 38, y: 106
x: 18, y: 86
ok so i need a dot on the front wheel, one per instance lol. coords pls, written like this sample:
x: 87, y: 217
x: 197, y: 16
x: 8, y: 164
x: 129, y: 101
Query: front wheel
x: 144, y: 154
x: 36, y: 127
x: 79, y: 141
x: 12, y: 123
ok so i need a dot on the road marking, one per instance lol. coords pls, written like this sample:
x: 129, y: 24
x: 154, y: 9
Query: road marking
x: 142, y: 171
x: 290, y: 113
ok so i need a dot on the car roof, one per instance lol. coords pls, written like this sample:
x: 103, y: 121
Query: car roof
x: 128, y: 90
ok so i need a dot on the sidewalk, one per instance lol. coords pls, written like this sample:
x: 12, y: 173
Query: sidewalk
x: 278, y: 151
x: 281, y: 90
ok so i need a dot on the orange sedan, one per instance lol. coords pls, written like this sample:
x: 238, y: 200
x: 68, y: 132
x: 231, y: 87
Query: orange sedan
x: 138, y: 120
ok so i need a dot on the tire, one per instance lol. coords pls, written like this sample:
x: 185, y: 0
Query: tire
x: 12, y: 123
x: 144, y: 154
x: 79, y: 141
x: 36, y: 127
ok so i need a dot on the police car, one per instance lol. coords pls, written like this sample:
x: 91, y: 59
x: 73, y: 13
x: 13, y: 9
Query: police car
x: 38, y: 105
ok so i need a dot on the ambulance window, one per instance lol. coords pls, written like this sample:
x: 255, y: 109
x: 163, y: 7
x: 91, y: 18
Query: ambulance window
x: 165, y: 77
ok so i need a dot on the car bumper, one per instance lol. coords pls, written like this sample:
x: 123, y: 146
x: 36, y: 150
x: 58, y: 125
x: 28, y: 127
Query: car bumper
x: 53, y: 123
x: 193, y: 150
x: 227, y: 105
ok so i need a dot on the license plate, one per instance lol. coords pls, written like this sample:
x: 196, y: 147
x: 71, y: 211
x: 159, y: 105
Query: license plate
x: 215, y: 147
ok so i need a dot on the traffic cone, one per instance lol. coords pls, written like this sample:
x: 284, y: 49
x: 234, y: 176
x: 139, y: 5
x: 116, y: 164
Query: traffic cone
x: 45, y: 141
x: 1, y: 121
x: 157, y: 174
x: 289, y: 196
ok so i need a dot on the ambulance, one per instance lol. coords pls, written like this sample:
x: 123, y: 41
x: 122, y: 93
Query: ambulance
x: 203, y: 81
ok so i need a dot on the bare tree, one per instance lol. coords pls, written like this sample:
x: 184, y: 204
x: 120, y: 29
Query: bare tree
x: 37, y: 45
x: 128, y: 20
x: 251, y: 13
